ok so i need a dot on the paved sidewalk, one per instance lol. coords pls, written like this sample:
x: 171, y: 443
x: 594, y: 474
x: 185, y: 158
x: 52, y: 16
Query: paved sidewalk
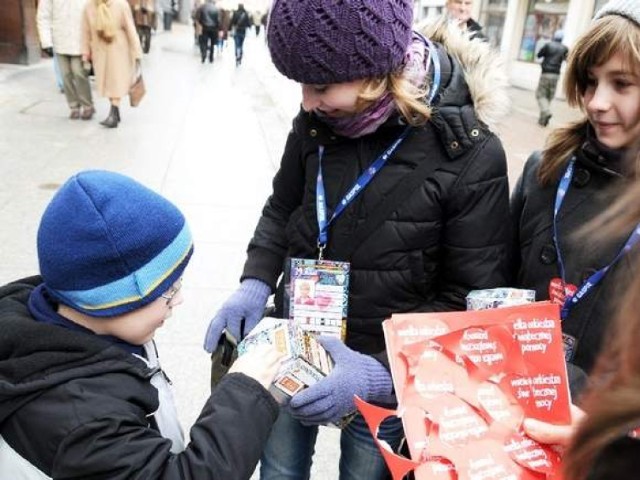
x: 209, y: 137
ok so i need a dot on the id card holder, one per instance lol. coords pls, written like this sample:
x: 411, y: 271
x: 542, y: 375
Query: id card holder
x: 317, y: 295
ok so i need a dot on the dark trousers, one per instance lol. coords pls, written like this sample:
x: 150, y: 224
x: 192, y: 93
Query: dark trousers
x: 208, y: 40
x: 238, y: 39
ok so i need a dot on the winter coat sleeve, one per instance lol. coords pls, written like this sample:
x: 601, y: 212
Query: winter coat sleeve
x: 268, y: 247
x: 226, y: 441
x: 516, y: 205
x: 475, y: 236
x: 44, y: 23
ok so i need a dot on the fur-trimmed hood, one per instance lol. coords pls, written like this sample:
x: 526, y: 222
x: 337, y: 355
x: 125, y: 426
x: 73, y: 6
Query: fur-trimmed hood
x: 481, y: 69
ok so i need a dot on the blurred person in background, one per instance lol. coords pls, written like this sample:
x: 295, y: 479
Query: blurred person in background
x: 459, y: 11
x: 553, y: 53
x: 60, y: 30
x: 110, y: 41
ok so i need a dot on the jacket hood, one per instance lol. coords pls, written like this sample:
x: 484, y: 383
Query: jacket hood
x: 36, y: 356
x: 481, y: 67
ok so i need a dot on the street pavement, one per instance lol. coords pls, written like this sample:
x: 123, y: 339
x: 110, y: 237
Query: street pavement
x: 209, y: 138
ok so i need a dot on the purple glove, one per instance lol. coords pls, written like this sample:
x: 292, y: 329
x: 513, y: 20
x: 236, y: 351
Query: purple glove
x: 246, y: 303
x: 332, y: 397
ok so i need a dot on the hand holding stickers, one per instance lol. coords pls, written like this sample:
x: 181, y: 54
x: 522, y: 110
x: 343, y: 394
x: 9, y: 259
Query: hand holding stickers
x: 465, y: 381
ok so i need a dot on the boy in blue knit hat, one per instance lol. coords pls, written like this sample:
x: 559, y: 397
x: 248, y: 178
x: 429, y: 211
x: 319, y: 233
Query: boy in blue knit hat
x: 82, y: 394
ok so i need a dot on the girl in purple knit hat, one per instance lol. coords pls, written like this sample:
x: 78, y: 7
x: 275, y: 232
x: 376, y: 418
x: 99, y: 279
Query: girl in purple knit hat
x: 391, y: 167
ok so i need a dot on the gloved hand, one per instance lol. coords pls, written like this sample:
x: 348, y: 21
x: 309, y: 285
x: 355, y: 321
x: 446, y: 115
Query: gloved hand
x: 332, y: 397
x: 246, y: 303
x: 48, y: 51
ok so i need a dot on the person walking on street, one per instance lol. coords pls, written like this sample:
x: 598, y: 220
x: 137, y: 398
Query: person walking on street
x: 553, y: 54
x: 83, y: 394
x: 111, y: 42
x: 240, y: 21
x: 60, y: 30
x: 390, y: 167
x: 208, y: 17
x: 580, y: 172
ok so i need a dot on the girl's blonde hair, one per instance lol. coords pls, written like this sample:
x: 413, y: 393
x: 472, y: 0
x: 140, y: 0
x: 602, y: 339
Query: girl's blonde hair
x: 606, y: 37
x: 409, y: 99
x: 105, y: 24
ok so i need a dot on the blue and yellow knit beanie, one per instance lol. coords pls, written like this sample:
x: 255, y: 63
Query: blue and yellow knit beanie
x: 108, y: 245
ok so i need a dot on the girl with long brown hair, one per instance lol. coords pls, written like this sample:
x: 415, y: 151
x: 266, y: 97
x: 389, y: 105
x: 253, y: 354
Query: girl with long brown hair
x: 578, y: 175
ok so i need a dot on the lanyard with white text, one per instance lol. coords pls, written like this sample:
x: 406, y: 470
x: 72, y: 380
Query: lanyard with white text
x: 572, y: 300
x: 361, y: 183
x: 369, y: 173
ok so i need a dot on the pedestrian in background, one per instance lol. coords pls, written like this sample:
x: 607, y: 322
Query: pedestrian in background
x: 459, y: 11
x: 580, y: 172
x: 208, y: 17
x: 553, y: 54
x: 240, y: 21
x: 390, y: 118
x: 169, y: 12
x: 111, y: 43
x: 83, y: 394
x: 144, y: 18
x: 223, y: 34
x: 60, y: 30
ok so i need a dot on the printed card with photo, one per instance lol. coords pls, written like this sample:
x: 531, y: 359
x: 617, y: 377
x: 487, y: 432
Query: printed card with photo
x: 316, y: 295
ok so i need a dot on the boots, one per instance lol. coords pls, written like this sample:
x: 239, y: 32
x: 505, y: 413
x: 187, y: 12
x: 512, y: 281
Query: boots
x: 113, y: 119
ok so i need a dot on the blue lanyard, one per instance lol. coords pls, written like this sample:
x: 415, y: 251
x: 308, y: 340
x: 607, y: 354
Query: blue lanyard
x: 572, y: 300
x: 365, y: 178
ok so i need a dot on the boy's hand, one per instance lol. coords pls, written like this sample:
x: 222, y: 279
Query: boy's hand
x: 260, y: 363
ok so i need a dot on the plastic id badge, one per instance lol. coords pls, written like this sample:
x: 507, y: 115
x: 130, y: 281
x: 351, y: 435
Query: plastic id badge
x: 317, y: 294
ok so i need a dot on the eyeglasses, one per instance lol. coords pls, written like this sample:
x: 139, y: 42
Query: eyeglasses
x: 175, y: 288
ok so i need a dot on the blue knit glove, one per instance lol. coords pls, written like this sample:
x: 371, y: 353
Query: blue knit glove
x: 246, y: 303
x: 332, y: 397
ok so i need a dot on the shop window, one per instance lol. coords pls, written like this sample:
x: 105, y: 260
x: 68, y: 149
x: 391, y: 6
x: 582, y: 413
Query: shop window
x: 544, y: 17
x: 492, y: 16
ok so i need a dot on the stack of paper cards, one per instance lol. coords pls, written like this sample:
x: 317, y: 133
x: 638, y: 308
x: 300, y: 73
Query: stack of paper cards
x: 499, y: 297
x: 465, y: 381
x: 306, y: 361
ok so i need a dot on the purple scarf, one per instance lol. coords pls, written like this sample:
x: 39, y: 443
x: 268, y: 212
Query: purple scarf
x: 368, y: 121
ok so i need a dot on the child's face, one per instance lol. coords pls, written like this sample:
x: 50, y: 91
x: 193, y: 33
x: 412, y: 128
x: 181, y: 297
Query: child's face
x: 332, y: 100
x: 612, y: 101
x: 139, y: 327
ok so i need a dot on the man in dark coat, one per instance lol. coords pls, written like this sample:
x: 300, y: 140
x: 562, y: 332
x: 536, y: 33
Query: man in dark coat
x: 208, y: 17
x: 552, y: 54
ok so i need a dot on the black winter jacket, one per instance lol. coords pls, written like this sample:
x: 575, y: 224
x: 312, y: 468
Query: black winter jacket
x: 552, y: 54
x: 449, y: 237
x: 594, y: 186
x: 208, y: 16
x: 78, y: 407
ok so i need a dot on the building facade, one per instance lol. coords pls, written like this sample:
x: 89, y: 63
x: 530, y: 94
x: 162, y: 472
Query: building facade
x: 18, y: 36
x: 519, y: 28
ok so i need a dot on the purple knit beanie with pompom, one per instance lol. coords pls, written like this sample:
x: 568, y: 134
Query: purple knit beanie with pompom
x: 335, y: 41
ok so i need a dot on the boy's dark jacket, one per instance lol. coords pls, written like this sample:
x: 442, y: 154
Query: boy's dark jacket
x: 78, y: 407
x: 596, y: 183
x: 450, y: 236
